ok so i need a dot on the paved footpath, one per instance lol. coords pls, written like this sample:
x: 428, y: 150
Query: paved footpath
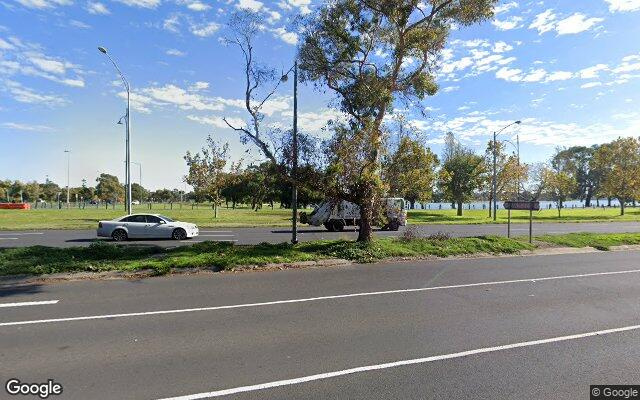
x: 68, y: 238
x: 536, y: 327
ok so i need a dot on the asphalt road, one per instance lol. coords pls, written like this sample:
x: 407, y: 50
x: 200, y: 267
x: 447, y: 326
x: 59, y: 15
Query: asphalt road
x: 537, y: 327
x: 67, y: 238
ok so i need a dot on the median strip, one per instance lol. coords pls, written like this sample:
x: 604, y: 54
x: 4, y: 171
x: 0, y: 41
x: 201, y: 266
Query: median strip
x: 321, y: 298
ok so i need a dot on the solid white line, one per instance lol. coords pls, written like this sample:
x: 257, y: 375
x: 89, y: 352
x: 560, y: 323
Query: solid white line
x: 340, y: 296
x: 216, y: 231
x: 21, y: 234
x: 28, y: 303
x: 395, y: 364
x: 8, y: 238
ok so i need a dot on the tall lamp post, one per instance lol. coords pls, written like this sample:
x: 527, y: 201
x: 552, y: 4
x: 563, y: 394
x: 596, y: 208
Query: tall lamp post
x: 128, y: 128
x: 294, y: 148
x: 68, y: 152
x: 495, y: 156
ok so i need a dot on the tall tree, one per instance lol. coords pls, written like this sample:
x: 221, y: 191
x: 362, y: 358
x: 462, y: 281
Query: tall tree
x: 371, y: 53
x: 577, y: 160
x: 619, y: 163
x: 109, y: 188
x: 410, y: 172
x: 461, y: 175
x: 206, y: 171
x: 559, y: 185
x: 260, y: 81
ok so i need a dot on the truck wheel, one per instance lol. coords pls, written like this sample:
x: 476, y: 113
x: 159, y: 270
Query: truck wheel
x: 338, y: 225
x: 329, y: 226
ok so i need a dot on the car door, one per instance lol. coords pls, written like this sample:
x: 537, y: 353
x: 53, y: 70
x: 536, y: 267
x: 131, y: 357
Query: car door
x: 158, y: 228
x: 136, y: 226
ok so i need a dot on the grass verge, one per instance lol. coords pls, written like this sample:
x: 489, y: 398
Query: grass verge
x: 600, y: 241
x: 103, y: 256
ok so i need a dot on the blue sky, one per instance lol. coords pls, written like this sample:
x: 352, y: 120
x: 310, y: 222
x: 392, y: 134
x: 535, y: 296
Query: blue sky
x: 570, y: 70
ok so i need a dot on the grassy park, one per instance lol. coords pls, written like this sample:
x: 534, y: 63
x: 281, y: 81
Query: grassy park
x: 202, y: 215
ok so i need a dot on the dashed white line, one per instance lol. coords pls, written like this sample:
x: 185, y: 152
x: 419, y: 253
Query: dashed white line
x: 216, y: 231
x: 216, y: 235
x: 28, y: 303
x: 424, y: 360
x: 6, y: 238
x: 340, y: 296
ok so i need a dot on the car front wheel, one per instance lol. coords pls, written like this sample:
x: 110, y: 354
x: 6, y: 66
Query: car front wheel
x: 179, y: 234
x: 119, y: 235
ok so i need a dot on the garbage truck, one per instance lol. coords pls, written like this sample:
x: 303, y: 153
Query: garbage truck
x: 335, y: 215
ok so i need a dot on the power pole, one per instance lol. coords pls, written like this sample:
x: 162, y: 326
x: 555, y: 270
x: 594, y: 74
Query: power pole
x: 294, y: 168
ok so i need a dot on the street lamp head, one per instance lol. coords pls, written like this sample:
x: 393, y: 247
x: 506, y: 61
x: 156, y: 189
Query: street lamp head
x: 102, y: 50
x: 518, y: 122
x: 284, y: 78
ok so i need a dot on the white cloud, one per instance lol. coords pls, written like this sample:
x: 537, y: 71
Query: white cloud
x: 27, y: 127
x: 501, y: 47
x: 576, y: 23
x: 301, y: 5
x: 4, y: 45
x: 175, y: 52
x: 592, y: 72
x: 509, y: 74
x: 216, y: 121
x: 252, y: 5
x: 623, y: 5
x: 286, y: 36
x: 97, y: 8
x: 559, y: 76
x: 544, y: 22
x: 200, y: 85
x: 198, y: 6
x: 534, y: 76
x: 141, y: 3
x: 40, y: 4
x: 79, y: 24
x: 172, y: 23
x: 591, y: 85
x: 28, y: 95
x: 504, y: 7
x: 205, y: 30
x: 507, y: 24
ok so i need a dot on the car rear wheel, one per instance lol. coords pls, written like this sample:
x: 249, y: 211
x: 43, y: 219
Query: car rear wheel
x: 179, y: 234
x: 119, y: 235
x: 337, y: 225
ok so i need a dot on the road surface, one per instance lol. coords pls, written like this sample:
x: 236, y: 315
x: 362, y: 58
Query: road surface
x: 536, y: 327
x: 68, y: 238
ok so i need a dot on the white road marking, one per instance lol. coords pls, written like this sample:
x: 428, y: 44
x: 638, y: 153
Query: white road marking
x: 216, y: 231
x: 21, y: 234
x: 340, y: 296
x: 350, y: 371
x: 3, y: 238
x: 215, y: 235
x: 29, y: 303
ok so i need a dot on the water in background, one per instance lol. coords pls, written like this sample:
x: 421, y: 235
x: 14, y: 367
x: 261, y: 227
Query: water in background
x: 484, y: 205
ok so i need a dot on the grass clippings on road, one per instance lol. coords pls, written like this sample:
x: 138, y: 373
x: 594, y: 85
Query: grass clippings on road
x: 102, y: 256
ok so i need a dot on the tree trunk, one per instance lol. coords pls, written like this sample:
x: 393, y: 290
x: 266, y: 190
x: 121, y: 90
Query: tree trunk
x: 608, y: 201
x: 413, y: 204
x: 621, y: 206
x: 459, y: 213
x: 365, y: 234
x: 587, y: 199
x: 559, y: 207
x: 490, y: 207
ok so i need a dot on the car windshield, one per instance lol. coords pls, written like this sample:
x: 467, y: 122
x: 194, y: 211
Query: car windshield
x: 166, y: 218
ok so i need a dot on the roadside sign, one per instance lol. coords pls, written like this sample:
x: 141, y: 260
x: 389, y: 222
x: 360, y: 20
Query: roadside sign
x: 522, y: 205
x: 530, y: 206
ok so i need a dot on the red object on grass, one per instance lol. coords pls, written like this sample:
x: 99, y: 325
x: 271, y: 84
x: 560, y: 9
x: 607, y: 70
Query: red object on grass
x: 15, y: 206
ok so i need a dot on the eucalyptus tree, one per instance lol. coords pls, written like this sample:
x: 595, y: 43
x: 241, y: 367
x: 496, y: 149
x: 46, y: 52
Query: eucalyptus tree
x: 372, y: 53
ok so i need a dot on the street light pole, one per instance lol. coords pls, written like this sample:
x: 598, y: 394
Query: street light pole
x: 294, y: 168
x: 128, y: 129
x: 68, y: 165
x: 495, y: 156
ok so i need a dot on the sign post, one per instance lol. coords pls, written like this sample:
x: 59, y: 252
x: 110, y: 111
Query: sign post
x: 522, y: 205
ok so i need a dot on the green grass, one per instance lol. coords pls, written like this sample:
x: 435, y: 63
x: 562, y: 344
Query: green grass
x: 244, y: 217
x: 601, y: 241
x: 102, y: 256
